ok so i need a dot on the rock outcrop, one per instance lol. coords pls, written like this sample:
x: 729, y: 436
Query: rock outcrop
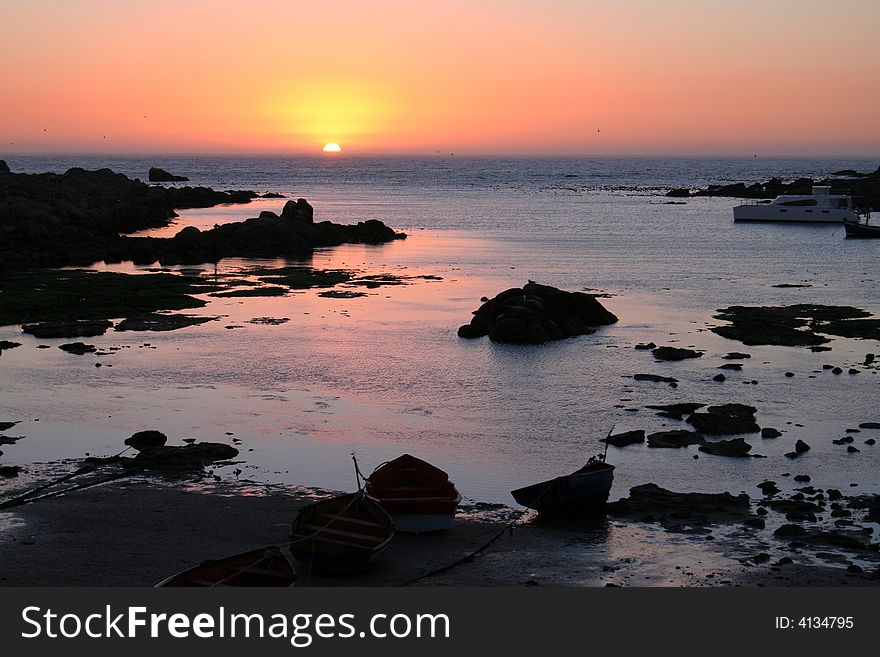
x: 160, y: 175
x: 537, y: 313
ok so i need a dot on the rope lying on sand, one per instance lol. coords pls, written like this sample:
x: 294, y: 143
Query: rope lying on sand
x: 471, y: 555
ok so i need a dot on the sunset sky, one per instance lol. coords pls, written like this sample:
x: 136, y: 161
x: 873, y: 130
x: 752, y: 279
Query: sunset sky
x: 585, y: 77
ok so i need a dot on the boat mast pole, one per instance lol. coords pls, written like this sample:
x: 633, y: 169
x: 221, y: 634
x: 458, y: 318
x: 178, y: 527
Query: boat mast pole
x: 357, y: 471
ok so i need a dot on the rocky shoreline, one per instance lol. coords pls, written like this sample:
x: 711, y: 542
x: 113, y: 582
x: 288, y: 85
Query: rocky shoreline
x: 81, y: 217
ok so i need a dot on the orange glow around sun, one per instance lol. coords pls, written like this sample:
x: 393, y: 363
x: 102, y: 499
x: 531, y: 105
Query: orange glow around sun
x: 332, y: 148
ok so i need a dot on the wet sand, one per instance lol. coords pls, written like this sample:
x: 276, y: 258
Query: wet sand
x: 137, y: 532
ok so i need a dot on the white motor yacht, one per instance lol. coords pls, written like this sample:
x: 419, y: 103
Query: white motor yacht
x: 819, y: 207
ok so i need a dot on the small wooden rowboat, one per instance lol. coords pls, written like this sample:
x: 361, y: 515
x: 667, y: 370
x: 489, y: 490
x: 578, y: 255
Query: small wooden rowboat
x: 417, y: 495
x: 264, y: 567
x: 586, y: 489
x: 347, y: 534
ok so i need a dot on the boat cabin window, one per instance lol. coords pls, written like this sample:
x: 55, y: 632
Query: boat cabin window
x: 800, y: 202
x: 840, y: 203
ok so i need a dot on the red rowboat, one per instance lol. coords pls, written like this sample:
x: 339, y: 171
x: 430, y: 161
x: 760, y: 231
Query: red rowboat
x: 418, y: 496
x: 264, y: 567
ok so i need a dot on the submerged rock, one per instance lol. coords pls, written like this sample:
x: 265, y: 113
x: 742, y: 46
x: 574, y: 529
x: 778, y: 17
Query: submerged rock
x: 675, y: 353
x: 78, y: 348
x: 796, y: 325
x: 626, y: 438
x: 188, y: 457
x: 682, y: 508
x: 655, y: 378
x: 736, y: 447
x: 536, y: 313
x: 770, y: 432
x: 675, y: 411
x: 727, y: 419
x: 675, y: 438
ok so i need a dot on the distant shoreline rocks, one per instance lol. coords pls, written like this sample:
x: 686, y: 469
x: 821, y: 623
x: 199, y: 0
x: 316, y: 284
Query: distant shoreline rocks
x: 864, y: 186
x: 536, y: 313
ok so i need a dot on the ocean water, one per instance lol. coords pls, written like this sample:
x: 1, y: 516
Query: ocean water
x: 386, y: 374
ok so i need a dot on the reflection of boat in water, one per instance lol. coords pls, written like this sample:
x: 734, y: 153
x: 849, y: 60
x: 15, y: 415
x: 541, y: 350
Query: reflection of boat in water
x: 417, y: 495
x: 345, y: 534
x: 585, y: 489
x: 264, y: 567
x: 862, y: 228
x: 819, y: 207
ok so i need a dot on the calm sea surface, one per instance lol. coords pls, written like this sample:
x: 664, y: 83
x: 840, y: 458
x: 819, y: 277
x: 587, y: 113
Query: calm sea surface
x: 385, y: 374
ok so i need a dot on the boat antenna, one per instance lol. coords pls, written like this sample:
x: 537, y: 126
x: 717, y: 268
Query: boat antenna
x: 606, y: 443
x: 357, y: 471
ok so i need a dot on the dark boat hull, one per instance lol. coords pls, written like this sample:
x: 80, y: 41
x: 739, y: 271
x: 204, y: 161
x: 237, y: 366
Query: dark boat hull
x: 264, y: 567
x: 579, y: 491
x: 346, y: 535
x: 862, y: 230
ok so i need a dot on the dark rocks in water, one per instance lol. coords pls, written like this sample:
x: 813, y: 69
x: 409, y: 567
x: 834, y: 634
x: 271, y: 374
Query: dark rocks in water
x: 790, y: 531
x: 731, y: 366
x: 800, y: 446
x: 869, y: 358
x: 7, y: 425
x: 655, y: 378
x: 789, y: 374
x: 188, y: 457
x: 727, y: 419
x: 818, y: 349
x: 720, y: 378
x: 792, y: 455
x: 8, y: 344
x: 536, y: 313
x: 852, y: 450
x: 834, y: 494
x: 843, y: 441
x: 736, y: 447
x: 645, y: 346
x: 146, y: 439
x: 675, y: 353
x: 341, y: 294
x: 156, y: 174
x: 869, y: 425
x: 675, y: 411
x: 160, y: 322
x: 770, y: 432
x: 837, y: 370
x: 626, y: 438
x: 680, y: 192
x: 67, y: 329
x: 9, y: 440
x: 795, y: 510
x: 768, y: 488
x: 4, y: 168
x: 269, y: 321
x: 9, y: 471
x: 736, y: 355
x: 272, y: 195
x: 694, y: 509
x: 796, y: 325
x: 78, y: 348
x: 870, y: 441
x: 675, y: 439
x: 869, y: 502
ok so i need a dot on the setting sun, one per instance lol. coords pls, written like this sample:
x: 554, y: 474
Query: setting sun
x: 332, y: 148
